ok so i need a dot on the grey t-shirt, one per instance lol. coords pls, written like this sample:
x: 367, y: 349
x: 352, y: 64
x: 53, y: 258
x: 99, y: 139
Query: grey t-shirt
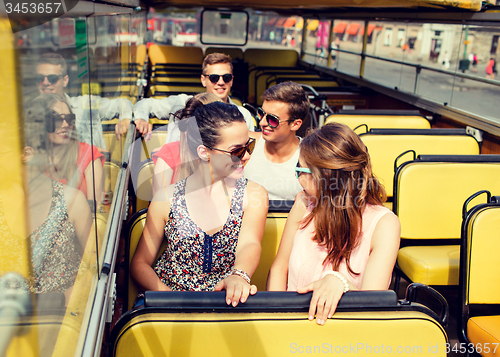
x: 278, y: 179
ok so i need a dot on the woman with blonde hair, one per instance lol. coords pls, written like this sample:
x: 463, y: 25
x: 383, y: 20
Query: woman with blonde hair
x: 338, y: 235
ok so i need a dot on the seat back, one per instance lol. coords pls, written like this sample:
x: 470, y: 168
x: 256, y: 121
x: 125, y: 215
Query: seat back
x: 235, y: 52
x: 273, y: 324
x: 174, y: 54
x: 134, y: 229
x: 115, y: 147
x: 429, y: 192
x: 275, y: 223
x: 384, y: 146
x: 381, y: 121
x: 143, y: 184
x: 480, y: 252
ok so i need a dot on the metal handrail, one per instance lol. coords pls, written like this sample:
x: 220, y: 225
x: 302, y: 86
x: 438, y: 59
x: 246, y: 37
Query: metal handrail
x: 418, y: 68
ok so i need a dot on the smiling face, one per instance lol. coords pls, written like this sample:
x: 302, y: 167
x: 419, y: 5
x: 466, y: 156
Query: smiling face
x: 220, y: 89
x: 45, y: 86
x: 286, y: 129
x: 62, y: 134
x: 231, y: 137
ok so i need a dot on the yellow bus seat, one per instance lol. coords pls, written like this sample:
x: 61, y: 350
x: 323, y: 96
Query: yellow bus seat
x: 260, y: 57
x: 257, y: 57
x: 140, y: 55
x: 174, y: 54
x: 157, y: 139
x: 133, y: 234
x: 111, y: 171
x: 235, y: 52
x: 273, y: 230
x: 143, y: 184
x: 274, y: 324
x: 381, y: 121
x: 480, y: 276
x: 428, y: 197
x: 385, y: 145
x: 115, y: 147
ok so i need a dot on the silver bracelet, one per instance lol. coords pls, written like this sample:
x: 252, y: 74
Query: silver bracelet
x: 339, y: 276
x: 239, y: 273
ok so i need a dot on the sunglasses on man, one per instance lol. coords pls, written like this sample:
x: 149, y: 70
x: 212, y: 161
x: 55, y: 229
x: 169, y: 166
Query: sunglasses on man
x: 56, y: 121
x: 299, y: 170
x: 214, y: 78
x: 239, y: 153
x: 52, y: 78
x: 272, y: 120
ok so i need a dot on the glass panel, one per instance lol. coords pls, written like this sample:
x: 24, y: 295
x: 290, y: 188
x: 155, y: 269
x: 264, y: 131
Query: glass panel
x: 59, y: 146
x: 58, y: 186
x: 223, y: 27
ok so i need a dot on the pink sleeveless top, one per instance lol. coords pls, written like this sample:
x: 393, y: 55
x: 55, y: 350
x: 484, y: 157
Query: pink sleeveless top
x: 307, y: 256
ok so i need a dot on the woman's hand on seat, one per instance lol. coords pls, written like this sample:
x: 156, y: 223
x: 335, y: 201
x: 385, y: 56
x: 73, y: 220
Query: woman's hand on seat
x: 326, y: 295
x: 237, y: 289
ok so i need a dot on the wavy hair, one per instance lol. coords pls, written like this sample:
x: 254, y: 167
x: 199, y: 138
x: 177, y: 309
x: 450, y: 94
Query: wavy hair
x: 188, y: 161
x: 210, y: 118
x: 345, y: 184
x: 40, y: 111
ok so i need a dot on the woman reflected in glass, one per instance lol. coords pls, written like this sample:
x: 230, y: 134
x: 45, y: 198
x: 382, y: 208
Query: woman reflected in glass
x: 59, y: 215
x: 71, y: 162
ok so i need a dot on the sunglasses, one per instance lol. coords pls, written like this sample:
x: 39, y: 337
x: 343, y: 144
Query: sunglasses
x: 301, y: 170
x: 56, y: 120
x: 238, y: 153
x: 52, y: 78
x: 214, y: 78
x: 272, y: 120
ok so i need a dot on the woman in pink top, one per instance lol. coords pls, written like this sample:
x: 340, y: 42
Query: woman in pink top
x: 338, y: 235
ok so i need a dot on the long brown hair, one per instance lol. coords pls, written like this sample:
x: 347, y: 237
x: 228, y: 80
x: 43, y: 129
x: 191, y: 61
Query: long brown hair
x: 344, y: 181
x: 188, y: 161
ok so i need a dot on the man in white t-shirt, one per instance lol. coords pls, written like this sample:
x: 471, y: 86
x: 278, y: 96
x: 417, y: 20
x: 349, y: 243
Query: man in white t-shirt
x: 276, y: 153
x: 216, y: 77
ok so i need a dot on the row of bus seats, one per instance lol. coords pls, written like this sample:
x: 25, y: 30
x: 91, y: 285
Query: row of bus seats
x: 176, y: 70
x: 271, y: 323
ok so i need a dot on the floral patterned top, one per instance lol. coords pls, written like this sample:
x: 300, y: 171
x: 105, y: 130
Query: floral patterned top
x: 55, y: 252
x: 194, y: 260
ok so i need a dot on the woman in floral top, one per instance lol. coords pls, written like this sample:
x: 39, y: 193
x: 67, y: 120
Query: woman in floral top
x: 213, y: 220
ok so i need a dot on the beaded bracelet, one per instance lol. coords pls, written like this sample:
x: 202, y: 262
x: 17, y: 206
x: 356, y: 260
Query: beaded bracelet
x: 239, y: 273
x: 339, y: 276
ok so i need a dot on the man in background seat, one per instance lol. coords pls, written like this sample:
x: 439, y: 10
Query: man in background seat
x: 216, y: 77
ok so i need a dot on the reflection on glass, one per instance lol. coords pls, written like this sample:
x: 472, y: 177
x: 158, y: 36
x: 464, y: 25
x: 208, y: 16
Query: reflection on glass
x: 59, y: 215
x: 224, y: 27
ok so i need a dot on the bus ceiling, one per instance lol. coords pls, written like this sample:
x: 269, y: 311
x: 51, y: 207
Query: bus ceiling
x: 297, y: 6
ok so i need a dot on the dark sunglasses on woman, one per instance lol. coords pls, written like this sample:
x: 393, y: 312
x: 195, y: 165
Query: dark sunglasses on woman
x: 239, y: 153
x: 214, y: 78
x: 52, y: 78
x: 272, y: 120
x: 56, y: 121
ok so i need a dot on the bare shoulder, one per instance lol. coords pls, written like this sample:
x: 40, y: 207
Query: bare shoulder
x: 387, y: 231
